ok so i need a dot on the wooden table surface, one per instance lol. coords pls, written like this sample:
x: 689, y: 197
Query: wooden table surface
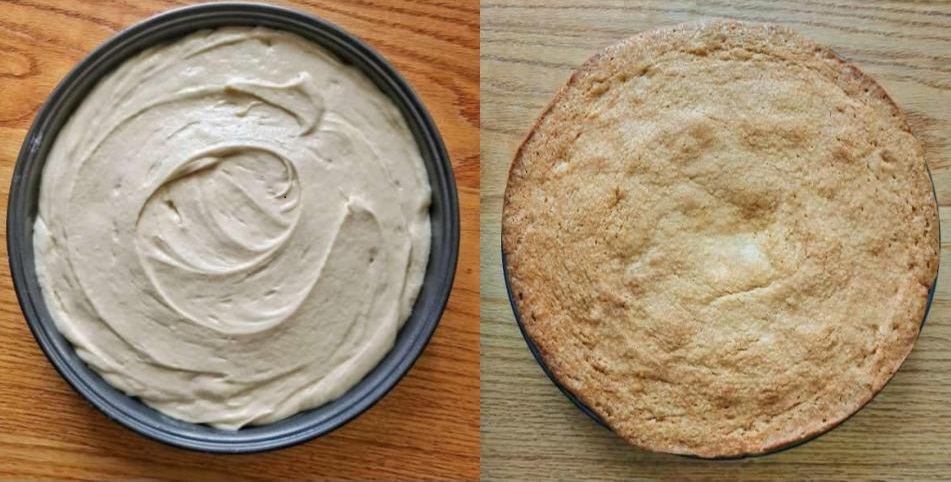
x: 529, y: 430
x: 427, y: 427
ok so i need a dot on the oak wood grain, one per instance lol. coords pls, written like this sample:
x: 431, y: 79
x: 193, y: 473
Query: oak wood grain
x: 427, y: 427
x: 529, y: 430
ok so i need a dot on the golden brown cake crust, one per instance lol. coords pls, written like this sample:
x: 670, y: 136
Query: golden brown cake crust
x: 721, y: 237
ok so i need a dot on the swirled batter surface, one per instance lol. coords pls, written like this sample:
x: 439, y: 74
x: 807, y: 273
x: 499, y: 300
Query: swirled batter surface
x: 233, y: 227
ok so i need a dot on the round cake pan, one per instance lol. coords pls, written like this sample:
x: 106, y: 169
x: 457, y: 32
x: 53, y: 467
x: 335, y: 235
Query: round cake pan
x: 128, y: 411
x: 594, y: 416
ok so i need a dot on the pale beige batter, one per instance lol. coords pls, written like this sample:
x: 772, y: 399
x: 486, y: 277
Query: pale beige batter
x: 232, y: 227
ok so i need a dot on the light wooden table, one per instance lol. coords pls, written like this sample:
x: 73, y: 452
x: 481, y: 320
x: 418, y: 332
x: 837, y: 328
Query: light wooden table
x: 427, y: 427
x: 529, y: 430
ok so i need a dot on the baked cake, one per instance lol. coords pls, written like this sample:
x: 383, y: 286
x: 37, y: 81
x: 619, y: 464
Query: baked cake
x: 721, y: 236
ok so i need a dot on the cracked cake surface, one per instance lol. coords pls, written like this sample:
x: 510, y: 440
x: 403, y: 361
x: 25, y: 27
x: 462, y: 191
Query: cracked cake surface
x: 721, y: 237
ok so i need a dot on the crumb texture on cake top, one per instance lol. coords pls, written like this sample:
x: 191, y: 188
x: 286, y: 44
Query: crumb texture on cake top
x: 721, y: 237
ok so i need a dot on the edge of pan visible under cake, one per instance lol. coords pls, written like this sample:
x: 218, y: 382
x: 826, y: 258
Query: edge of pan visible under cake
x: 721, y: 237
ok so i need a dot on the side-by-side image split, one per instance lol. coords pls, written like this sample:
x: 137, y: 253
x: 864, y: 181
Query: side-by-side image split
x: 475, y: 240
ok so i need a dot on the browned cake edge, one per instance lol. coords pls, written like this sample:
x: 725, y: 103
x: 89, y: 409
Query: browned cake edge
x: 522, y: 299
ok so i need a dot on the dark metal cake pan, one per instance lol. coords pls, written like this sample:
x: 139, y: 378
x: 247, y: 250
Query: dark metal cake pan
x: 128, y: 411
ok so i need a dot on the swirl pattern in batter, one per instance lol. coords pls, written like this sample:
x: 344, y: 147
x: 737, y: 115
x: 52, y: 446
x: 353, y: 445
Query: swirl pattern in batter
x: 233, y: 227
